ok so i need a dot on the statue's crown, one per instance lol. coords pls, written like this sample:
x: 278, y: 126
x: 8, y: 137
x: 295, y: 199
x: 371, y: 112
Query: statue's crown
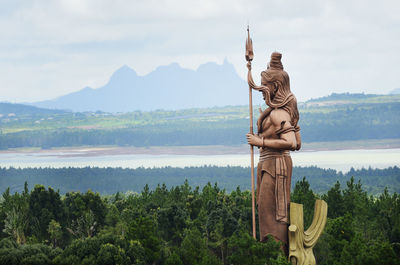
x: 275, y: 62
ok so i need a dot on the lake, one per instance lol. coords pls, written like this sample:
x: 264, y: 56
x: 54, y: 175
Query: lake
x: 341, y: 160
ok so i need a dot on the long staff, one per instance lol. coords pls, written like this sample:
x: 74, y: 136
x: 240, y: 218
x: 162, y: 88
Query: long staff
x: 249, y: 58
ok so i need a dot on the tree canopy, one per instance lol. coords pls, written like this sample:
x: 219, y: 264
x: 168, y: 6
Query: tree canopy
x: 185, y: 225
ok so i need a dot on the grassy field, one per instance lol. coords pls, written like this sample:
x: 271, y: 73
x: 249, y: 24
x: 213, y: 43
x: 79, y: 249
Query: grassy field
x: 100, y: 120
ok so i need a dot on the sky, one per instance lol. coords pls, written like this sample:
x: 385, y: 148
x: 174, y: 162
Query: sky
x: 51, y: 48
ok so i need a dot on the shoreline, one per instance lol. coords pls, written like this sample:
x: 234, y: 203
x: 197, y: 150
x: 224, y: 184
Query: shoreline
x: 93, y: 151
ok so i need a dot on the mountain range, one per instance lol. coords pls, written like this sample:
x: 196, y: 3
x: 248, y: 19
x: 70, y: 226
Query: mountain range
x: 168, y: 87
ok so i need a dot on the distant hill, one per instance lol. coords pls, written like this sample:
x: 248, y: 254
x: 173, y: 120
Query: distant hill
x: 11, y: 109
x: 350, y: 98
x: 168, y: 87
x: 371, y: 118
x: 343, y: 96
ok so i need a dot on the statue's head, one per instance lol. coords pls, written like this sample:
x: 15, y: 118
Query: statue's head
x: 276, y: 88
x: 276, y: 80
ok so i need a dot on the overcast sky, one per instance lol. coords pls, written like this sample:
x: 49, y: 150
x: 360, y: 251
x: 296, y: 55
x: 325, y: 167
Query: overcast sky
x: 51, y: 48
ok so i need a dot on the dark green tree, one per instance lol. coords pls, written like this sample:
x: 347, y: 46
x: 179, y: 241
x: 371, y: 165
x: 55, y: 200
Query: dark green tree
x: 335, y: 201
x: 144, y: 230
x: 303, y: 194
x: 387, y: 210
x: 86, y: 213
x: 193, y: 248
x: 243, y: 250
x: 44, y: 206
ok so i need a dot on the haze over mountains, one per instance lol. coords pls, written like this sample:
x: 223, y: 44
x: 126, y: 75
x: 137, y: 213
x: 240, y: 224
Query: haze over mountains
x: 168, y: 87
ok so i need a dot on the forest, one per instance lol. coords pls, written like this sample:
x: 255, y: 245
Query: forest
x: 111, y: 180
x: 192, y: 215
x: 185, y: 225
x: 361, y: 118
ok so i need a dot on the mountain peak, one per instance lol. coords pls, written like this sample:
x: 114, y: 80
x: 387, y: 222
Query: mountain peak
x: 167, y: 87
x: 213, y: 66
x: 124, y: 71
x: 123, y: 74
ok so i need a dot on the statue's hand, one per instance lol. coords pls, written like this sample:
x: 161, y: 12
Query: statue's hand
x: 253, y: 140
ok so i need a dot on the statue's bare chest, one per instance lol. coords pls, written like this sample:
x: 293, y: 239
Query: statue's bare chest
x: 268, y: 129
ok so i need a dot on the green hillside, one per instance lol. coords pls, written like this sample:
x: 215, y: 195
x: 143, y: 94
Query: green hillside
x: 354, y: 98
x: 363, y: 117
x: 25, y: 110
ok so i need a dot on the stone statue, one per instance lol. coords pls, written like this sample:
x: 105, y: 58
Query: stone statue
x: 278, y: 133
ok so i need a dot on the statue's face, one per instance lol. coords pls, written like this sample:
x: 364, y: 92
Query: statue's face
x: 272, y: 91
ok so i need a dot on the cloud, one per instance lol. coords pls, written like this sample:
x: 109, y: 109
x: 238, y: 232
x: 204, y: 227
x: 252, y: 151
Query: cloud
x: 49, y: 48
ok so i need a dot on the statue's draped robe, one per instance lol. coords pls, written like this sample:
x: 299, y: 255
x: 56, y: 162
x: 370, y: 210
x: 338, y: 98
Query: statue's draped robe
x: 274, y: 174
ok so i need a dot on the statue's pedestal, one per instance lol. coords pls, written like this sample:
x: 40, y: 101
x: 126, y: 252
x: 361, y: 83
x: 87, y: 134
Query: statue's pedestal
x: 302, y: 242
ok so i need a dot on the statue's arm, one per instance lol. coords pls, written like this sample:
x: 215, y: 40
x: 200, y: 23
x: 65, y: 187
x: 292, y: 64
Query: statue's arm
x: 298, y: 139
x: 287, y: 139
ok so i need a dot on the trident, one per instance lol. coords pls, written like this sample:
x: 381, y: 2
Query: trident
x: 249, y: 58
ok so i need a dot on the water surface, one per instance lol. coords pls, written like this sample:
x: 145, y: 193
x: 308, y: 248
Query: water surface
x: 341, y: 160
